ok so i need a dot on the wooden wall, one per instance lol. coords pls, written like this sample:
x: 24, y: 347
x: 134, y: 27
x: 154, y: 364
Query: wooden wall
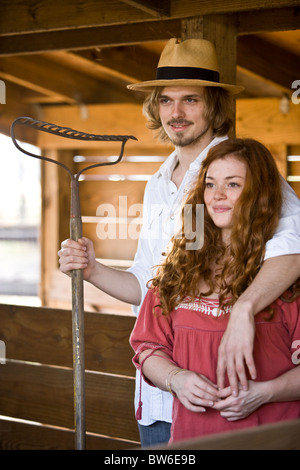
x: 36, y: 382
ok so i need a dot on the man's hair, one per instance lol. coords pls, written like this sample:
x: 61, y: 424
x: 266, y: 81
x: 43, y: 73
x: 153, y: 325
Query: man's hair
x: 255, y: 218
x: 218, y: 112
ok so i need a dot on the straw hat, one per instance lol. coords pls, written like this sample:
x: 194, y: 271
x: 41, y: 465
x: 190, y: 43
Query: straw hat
x: 192, y: 62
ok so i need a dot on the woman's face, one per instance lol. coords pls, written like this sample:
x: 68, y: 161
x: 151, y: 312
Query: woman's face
x: 224, y: 183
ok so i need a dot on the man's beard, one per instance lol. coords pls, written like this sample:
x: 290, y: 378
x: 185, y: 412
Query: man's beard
x: 181, y: 141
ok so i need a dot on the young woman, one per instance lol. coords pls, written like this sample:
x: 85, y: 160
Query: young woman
x: 186, y: 310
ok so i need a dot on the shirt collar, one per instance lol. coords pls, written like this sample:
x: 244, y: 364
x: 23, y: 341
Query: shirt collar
x: 168, y: 166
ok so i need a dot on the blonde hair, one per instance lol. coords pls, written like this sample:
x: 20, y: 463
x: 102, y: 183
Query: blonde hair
x: 255, y: 218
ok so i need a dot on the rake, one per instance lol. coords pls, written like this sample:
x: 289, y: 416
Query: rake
x: 77, y: 274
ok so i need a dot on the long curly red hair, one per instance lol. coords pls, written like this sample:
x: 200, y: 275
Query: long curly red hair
x: 255, y: 218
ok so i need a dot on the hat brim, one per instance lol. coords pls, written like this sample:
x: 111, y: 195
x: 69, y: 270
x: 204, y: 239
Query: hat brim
x: 151, y: 84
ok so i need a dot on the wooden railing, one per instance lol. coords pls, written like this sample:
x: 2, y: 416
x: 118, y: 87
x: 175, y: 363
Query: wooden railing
x: 36, y: 382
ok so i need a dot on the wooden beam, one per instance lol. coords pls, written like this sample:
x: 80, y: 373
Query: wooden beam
x: 189, y: 8
x: 278, y: 19
x: 52, y: 15
x: 31, y: 74
x: 156, y: 8
x: 262, y: 119
x: 108, y: 35
x: 133, y: 63
x: 256, y: 86
x: 82, y: 38
x: 42, y: 75
x: 271, y: 62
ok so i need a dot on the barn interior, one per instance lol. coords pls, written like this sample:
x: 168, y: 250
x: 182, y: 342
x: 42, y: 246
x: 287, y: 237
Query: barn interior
x: 69, y: 63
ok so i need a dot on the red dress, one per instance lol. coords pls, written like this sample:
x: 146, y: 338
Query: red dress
x: 191, y: 336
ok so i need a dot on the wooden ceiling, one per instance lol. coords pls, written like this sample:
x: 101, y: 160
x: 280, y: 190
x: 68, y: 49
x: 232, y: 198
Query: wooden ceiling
x: 78, y: 52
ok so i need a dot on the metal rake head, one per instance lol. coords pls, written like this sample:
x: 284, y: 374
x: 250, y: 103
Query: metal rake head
x: 69, y: 133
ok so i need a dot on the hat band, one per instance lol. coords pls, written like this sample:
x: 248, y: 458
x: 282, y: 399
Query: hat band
x: 189, y: 73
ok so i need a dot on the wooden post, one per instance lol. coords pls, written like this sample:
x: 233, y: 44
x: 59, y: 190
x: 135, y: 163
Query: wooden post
x: 55, y: 215
x: 221, y: 30
x: 49, y: 224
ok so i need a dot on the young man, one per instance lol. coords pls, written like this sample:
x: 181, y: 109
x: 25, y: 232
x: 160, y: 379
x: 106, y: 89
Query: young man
x: 188, y: 105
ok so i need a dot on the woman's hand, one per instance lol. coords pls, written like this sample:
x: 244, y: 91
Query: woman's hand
x: 195, y: 391
x: 234, y: 408
x: 77, y: 255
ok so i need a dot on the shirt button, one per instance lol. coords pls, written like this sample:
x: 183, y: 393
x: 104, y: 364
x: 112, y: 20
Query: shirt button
x: 172, y: 216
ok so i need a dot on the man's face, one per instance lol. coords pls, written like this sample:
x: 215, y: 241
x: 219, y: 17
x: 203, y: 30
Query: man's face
x: 181, y: 111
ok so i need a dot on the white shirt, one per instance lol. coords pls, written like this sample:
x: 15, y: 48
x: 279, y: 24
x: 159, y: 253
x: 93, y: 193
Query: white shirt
x: 161, y: 215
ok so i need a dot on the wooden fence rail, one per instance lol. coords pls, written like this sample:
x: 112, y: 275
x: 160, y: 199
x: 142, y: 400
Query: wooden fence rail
x: 36, y: 382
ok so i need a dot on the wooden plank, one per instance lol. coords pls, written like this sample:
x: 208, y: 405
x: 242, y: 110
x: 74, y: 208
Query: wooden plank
x: 31, y: 436
x: 108, y: 36
x: 44, y: 336
x: 279, y: 153
x: 202, y: 7
x: 154, y: 7
x: 278, y: 436
x: 115, y: 118
x: 95, y: 300
x: 261, y: 119
x: 121, y: 168
x: 105, y: 36
x: 29, y: 17
x: 126, y: 61
x: 107, y: 343
x: 33, y: 72
x: 45, y: 395
x: 96, y: 193
x: 110, y: 247
x: 275, y: 19
x: 159, y: 151
x: 272, y: 63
